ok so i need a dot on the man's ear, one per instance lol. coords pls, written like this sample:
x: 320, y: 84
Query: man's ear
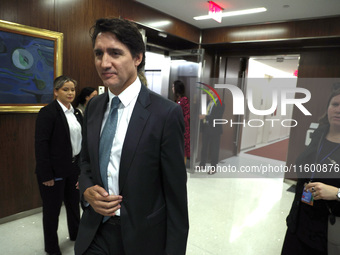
x: 138, y: 59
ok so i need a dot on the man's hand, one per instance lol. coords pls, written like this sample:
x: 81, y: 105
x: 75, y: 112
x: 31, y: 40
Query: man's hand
x: 101, y: 201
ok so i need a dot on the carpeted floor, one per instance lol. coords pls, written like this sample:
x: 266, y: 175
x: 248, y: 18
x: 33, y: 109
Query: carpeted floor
x: 276, y: 150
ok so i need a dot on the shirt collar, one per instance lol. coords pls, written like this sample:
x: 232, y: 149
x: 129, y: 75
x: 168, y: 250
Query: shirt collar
x: 128, y: 94
x: 64, y: 107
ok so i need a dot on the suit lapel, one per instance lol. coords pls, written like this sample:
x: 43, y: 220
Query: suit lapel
x: 94, y: 124
x: 63, y: 118
x: 135, y: 130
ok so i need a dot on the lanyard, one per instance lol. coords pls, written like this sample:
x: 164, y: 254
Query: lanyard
x: 318, y: 154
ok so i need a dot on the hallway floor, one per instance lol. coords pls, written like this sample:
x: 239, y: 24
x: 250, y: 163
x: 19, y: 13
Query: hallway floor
x: 234, y: 216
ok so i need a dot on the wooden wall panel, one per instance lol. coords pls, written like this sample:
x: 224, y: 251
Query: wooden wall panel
x: 275, y: 31
x: 34, y: 13
x: 146, y: 16
x: 19, y: 188
x: 78, y: 53
x: 318, y: 71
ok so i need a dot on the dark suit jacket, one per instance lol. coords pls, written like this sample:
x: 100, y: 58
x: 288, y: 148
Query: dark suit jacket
x: 53, y: 149
x: 152, y: 177
x: 298, y: 218
x: 216, y: 113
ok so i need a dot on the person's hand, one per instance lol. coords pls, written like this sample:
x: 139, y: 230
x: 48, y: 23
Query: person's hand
x: 201, y: 116
x: 77, y: 185
x: 101, y: 201
x: 49, y: 183
x: 320, y: 190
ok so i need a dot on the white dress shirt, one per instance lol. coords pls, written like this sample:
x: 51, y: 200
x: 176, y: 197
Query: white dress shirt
x: 128, y: 100
x: 75, y: 129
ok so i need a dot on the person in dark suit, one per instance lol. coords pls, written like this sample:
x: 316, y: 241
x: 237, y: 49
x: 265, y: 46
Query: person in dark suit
x: 211, y: 135
x: 137, y: 203
x: 57, y: 146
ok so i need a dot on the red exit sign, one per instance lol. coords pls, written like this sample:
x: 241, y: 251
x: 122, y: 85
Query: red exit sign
x: 215, y: 11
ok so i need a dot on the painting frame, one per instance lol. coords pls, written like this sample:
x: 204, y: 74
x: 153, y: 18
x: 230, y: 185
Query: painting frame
x: 32, y: 32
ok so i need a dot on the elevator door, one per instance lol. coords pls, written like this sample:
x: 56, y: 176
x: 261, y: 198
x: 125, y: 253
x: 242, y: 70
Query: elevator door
x: 187, y: 66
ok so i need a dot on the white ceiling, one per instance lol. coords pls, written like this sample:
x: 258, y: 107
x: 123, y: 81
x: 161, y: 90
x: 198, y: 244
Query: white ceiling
x: 277, y: 10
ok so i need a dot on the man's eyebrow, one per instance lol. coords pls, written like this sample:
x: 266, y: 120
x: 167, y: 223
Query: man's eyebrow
x: 108, y: 49
x: 115, y: 50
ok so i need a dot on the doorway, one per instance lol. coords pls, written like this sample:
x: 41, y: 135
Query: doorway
x: 161, y: 70
x: 264, y: 75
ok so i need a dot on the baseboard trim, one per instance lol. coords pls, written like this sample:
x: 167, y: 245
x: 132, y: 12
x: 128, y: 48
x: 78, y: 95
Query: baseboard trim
x: 20, y: 215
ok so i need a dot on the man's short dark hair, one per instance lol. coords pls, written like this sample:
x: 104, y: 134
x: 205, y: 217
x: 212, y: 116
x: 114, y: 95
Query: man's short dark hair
x: 125, y: 31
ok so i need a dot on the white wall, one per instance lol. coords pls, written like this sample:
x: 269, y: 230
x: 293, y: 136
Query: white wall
x: 157, y: 70
x: 261, y: 80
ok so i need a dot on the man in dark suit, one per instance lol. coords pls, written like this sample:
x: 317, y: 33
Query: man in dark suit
x: 211, y: 135
x: 143, y: 208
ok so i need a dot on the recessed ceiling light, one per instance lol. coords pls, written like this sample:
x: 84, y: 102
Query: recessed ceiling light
x: 234, y: 13
x: 159, y: 23
x: 164, y: 35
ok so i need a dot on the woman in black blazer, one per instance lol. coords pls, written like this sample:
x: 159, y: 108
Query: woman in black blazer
x: 57, y: 146
x: 317, y: 190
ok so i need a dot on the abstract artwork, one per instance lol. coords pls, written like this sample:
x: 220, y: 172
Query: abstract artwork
x: 30, y: 59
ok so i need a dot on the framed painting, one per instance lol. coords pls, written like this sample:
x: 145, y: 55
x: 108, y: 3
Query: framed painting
x: 30, y: 59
